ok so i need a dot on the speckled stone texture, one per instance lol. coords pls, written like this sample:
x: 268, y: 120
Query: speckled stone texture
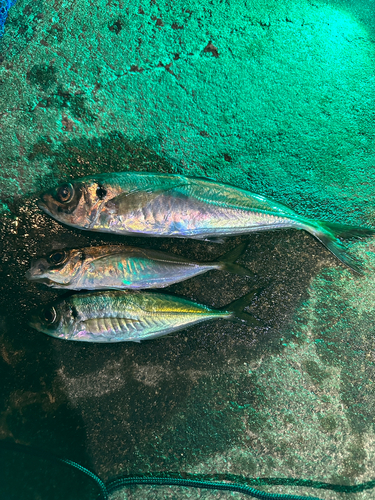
x: 273, y: 96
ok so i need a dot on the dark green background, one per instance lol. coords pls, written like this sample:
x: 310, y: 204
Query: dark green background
x: 274, y: 96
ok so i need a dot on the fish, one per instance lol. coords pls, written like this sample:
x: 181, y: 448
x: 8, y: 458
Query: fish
x: 172, y: 205
x: 129, y: 316
x: 117, y: 267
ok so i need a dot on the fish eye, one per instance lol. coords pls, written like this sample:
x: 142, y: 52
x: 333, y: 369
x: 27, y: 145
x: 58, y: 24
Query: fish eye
x: 65, y: 193
x: 101, y: 192
x: 49, y: 315
x: 57, y: 257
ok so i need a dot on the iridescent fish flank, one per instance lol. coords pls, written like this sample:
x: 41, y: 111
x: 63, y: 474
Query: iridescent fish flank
x: 118, y: 267
x: 127, y: 316
x: 143, y: 203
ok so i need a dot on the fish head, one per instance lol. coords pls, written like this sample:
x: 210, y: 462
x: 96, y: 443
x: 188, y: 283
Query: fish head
x: 59, y: 268
x: 56, y: 320
x: 77, y: 203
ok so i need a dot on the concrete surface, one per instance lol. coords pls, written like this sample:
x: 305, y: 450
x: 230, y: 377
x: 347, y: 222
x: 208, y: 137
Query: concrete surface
x: 274, y: 96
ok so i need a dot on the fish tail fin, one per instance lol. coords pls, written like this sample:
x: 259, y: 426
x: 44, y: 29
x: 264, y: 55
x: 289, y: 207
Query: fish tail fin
x: 237, y: 309
x: 330, y: 234
x: 228, y: 261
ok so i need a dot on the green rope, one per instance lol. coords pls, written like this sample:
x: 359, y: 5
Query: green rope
x: 53, y: 458
x: 278, y: 481
x: 203, y: 481
x: 102, y: 486
x: 208, y: 485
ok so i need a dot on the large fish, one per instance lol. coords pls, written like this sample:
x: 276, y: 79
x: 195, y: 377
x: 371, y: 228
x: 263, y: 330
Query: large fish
x: 123, y: 315
x: 142, y: 203
x: 118, y: 267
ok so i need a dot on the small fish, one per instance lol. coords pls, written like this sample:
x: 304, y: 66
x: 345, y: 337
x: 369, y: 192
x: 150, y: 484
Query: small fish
x: 143, y: 203
x: 118, y: 267
x: 128, y: 316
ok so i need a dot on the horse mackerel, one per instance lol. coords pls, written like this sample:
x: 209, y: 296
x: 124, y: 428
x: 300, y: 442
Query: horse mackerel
x: 143, y: 203
x: 120, y: 316
x: 118, y: 267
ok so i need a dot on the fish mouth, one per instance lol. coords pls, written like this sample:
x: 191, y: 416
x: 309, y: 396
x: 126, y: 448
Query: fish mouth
x: 37, y: 270
x: 37, y: 279
x: 29, y: 276
x: 43, y: 206
x: 35, y: 322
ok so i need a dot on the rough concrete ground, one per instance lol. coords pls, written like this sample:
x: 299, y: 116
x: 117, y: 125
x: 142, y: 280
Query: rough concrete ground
x: 273, y: 96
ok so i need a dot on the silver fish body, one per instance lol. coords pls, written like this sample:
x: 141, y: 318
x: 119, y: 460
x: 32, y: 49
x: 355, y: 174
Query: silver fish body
x: 119, y: 316
x: 117, y: 267
x: 163, y: 205
x: 143, y: 203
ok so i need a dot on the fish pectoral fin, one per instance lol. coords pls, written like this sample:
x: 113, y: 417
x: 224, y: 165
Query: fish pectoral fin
x: 138, y: 198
